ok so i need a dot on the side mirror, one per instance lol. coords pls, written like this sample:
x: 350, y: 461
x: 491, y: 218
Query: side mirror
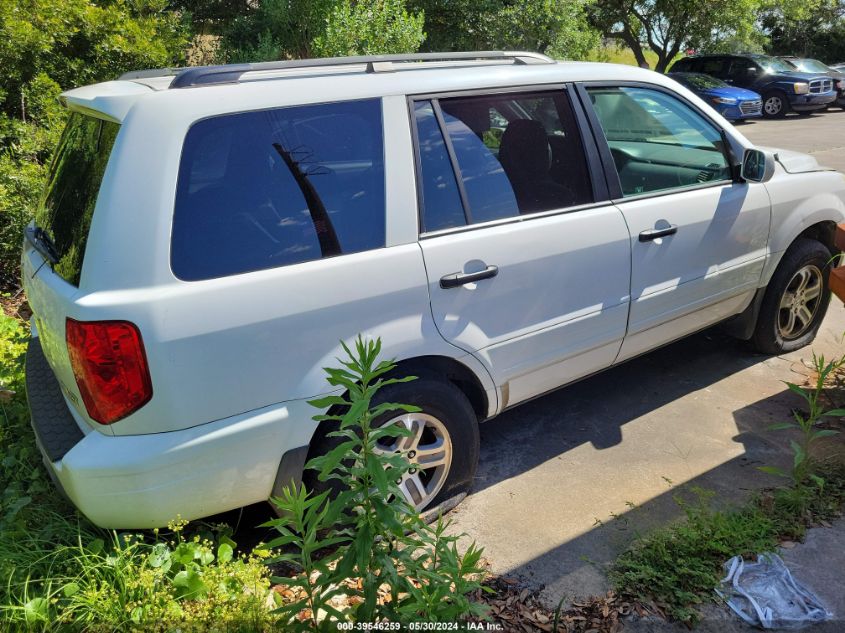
x: 757, y: 165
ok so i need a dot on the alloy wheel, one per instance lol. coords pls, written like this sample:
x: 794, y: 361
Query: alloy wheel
x: 773, y: 105
x: 800, y: 302
x: 429, y: 451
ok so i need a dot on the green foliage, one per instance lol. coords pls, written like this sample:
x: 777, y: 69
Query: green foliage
x: 809, y: 28
x: 369, y: 28
x: 678, y: 567
x: 76, y: 42
x: 279, y: 29
x: 79, y: 578
x: 556, y: 27
x: 803, y: 462
x: 47, y: 47
x: 58, y: 572
x: 669, y: 26
x: 366, y: 531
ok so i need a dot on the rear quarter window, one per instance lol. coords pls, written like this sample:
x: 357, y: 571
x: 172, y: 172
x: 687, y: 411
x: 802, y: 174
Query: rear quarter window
x: 76, y: 173
x: 259, y: 190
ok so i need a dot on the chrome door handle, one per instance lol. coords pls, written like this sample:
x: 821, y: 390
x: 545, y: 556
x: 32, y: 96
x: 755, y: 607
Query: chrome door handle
x: 653, y: 234
x: 456, y: 280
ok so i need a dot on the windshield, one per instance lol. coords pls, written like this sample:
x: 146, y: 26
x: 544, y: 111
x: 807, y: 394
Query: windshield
x: 774, y: 65
x: 700, y: 81
x: 811, y: 65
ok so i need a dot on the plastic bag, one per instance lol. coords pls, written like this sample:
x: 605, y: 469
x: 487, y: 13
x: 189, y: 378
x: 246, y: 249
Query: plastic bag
x: 765, y: 594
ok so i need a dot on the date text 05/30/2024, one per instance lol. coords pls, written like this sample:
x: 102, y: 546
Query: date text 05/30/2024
x: 420, y: 626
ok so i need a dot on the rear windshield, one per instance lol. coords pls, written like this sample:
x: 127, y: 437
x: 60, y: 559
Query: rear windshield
x: 73, y: 183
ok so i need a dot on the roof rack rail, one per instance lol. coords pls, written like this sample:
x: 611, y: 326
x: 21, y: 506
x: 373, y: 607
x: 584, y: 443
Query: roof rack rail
x: 231, y: 73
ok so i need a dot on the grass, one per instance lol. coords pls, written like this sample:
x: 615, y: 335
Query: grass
x: 676, y: 568
x: 58, y: 572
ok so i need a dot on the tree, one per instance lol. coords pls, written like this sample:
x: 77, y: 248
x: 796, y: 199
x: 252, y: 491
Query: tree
x: 366, y: 28
x: 669, y: 26
x: 47, y: 46
x: 810, y: 28
x: 275, y: 29
x: 296, y: 29
x: 558, y: 27
x: 210, y: 15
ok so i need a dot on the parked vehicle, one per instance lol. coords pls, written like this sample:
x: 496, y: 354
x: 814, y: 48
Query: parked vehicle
x: 814, y: 66
x: 505, y: 223
x: 731, y: 102
x: 781, y: 86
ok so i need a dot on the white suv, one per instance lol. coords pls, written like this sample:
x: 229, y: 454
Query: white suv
x: 507, y: 224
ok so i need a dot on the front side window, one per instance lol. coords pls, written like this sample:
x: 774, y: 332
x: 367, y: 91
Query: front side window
x: 658, y: 142
x: 264, y: 189
x: 498, y: 156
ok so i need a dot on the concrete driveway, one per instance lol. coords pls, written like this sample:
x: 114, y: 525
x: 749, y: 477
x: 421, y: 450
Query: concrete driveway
x: 566, y: 481
x: 822, y: 135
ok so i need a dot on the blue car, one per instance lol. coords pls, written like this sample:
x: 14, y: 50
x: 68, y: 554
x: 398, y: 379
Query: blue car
x: 732, y: 103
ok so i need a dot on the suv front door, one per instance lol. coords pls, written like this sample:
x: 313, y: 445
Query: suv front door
x: 698, y: 237
x: 528, y: 263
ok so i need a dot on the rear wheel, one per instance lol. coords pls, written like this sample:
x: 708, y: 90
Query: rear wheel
x: 775, y: 105
x: 443, y: 447
x: 796, y: 299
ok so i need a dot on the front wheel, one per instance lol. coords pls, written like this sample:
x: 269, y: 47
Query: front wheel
x: 796, y: 299
x: 775, y: 105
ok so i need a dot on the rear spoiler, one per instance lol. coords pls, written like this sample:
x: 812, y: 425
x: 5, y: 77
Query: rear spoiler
x: 110, y: 100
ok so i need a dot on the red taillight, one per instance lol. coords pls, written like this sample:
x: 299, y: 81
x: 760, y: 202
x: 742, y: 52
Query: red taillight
x: 110, y: 366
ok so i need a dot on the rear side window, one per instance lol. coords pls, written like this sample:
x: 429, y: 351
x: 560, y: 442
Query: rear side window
x: 498, y: 156
x: 264, y: 189
x: 67, y: 206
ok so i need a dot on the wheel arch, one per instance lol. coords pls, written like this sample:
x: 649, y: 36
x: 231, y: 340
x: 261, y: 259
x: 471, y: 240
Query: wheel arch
x: 455, y: 372
x: 742, y: 325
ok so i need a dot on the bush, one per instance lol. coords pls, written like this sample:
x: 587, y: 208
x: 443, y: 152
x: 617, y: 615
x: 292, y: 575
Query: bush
x: 47, y: 47
x: 295, y: 29
x: 365, y: 28
x: 365, y: 545
x: 58, y: 571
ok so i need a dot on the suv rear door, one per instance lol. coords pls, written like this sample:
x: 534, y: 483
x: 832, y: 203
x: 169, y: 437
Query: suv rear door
x: 64, y: 216
x: 698, y: 237
x: 528, y: 264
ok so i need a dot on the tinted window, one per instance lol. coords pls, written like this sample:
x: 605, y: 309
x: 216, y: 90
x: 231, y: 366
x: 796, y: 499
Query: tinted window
x: 658, y: 142
x: 514, y: 153
x: 76, y: 173
x: 699, y: 81
x: 716, y: 66
x: 264, y: 189
x: 440, y: 196
x: 743, y: 70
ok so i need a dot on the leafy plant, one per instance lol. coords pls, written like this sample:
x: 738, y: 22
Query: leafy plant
x: 807, y: 423
x: 369, y: 28
x: 677, y: 567
x: 365, y: 540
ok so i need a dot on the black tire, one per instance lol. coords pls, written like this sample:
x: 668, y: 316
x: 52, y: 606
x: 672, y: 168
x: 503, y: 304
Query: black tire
x: 770, y: 101
x: 438, y: 398
x: 768, y: 337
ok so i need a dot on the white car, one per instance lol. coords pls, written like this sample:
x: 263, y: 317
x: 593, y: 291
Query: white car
x: 507, y: 224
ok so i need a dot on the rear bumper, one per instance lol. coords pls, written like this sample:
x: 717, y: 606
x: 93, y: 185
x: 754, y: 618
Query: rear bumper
x: 145, y: 481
